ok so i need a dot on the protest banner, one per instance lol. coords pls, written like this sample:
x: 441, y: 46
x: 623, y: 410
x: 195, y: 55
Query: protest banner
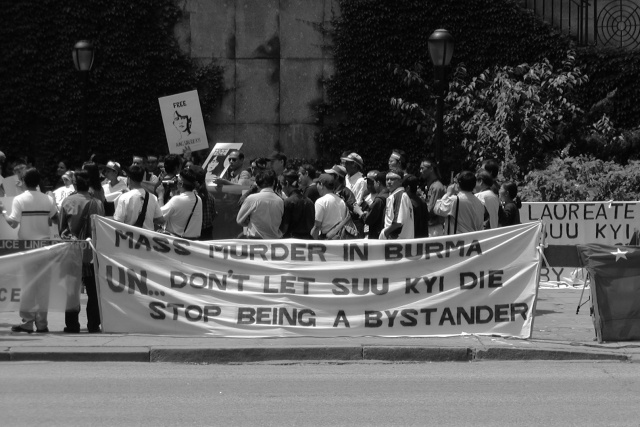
x: 477, y: 283
x: 40, y: 274
x: 568, y: 224
x: 183, y: 122
x: 217, y: 163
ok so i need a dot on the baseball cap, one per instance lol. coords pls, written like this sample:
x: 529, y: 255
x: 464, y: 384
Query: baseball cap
x: 354, y: 157
x: 113, y: 166
x: 338, y: 170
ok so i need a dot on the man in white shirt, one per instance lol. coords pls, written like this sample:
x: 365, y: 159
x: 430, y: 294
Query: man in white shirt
x: 398, y: 215
x: 330, y: 208
x: 463, y: 211
x: 355, y: 181
x: 261, y: 213
x: 129, y: 206
x: 116, y: 184
x: 32, y: 211
x: 183, y: 212
x: 484, y: 192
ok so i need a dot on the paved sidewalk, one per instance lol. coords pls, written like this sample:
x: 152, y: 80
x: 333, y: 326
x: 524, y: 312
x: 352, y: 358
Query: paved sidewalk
x: 558, y: 334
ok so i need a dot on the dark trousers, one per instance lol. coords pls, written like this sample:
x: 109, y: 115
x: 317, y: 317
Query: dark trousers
x: 93, y: 308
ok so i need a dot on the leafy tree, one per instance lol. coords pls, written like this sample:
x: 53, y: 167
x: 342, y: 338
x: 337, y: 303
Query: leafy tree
x: 583, y: 178
x: 521, y: 115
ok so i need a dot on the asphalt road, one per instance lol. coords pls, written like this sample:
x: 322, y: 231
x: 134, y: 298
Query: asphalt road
x: 443, y: 394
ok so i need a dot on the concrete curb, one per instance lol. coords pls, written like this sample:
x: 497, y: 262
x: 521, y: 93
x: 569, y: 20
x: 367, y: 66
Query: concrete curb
x: 358, y: 353
x: 245, y: 355
x: 534, y: 354
x: 81, y: 354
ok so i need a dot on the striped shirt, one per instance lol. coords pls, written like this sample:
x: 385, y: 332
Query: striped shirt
x: 32, y: 209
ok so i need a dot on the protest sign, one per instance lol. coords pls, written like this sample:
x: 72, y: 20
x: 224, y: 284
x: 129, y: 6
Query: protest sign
x: 183, y: 122
x: 40, y: 274
x: 217, y: 163
x: 568, y: 224
x: 477, y: 283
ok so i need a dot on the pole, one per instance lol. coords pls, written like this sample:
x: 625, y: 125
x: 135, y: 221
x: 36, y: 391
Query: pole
x: 84, y: 142
x: 439, y: 125
x: 439, y: 86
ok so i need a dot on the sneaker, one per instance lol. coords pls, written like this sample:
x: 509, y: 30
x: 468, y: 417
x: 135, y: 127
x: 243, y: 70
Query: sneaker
x: 42, y: 331
x: 19, y: 328
x: 71, y: 330
x: 95, y: 330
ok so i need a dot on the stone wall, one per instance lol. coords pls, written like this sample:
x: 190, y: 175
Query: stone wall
x: 275, y: 57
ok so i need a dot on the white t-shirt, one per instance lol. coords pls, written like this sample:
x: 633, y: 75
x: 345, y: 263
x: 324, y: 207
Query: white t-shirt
x: 13, y: 186
x: 358, y: 185
x: 330, y: 210
x: 111, y: 193
x: 32, y: 209
x: 492, y: 203
x: 61, y: 193
x: 129, y: 206
x: 177, y: 211
x: 405, y: 215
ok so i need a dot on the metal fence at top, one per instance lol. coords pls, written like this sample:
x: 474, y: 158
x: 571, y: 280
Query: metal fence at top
x: 612, y: 23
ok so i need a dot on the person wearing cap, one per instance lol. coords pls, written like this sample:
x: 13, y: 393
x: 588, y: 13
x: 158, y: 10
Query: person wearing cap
x: 261, y: 213
x: 183, y: 212
x: 299, y: 211
x: 398, y: 214
x: 116, y: 184
x: 373, y: 215
x: 355, y: 181
x: 463, y: 211
x: 398, y: 161
x: 131, y: 207
x: 339, y: 173
x: 61, y: 193
x: 330, y: 209
x: 433, y: 191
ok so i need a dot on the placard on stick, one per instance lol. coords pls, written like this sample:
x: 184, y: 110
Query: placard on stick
x: 216, y: 163
x: 183, y: 122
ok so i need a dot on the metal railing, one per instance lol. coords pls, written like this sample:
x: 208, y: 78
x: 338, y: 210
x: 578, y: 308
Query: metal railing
x: 612, y: 23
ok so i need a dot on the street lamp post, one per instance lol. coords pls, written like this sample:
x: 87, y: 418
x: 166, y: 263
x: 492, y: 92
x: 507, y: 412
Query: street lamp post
x: 83, y: 60
x: 441, y: 51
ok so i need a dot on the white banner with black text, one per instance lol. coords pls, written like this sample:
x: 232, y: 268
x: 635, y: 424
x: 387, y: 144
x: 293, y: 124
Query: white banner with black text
x: 475, y: 283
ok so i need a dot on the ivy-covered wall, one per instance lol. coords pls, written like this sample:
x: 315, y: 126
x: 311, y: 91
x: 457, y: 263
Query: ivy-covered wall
x: 137, y: 60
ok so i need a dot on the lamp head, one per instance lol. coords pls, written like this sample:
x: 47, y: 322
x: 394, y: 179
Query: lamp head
x: 83, y: 55
x: 441, y: 47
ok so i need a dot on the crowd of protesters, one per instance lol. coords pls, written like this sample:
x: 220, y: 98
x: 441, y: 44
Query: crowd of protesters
x: 266, y: 200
